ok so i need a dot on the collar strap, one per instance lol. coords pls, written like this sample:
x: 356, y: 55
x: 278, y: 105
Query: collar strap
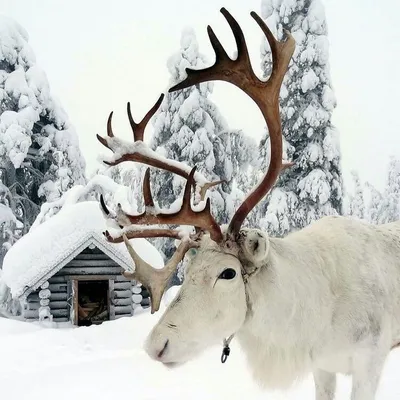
x: 226, y: 349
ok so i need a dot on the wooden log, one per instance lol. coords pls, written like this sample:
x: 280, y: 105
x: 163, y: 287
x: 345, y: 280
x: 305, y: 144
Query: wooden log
x: 58, y: 287
x: 57, y: 279
x: 59, y: 313
x: 121, y: 278
x: 31, y: 314
x: 58, y: 296
x: 89, y: 277
x: 122, y: 293
x: 122, y: 302
x: 136, y: 289
x: 137, y: 298
x: 122, y: 285
x: 92, y: 256
x: 123, y: 310
x: 44, y: 294
x: 44, y: 302
x: 55, y: 305
x: 92, y: 263
x: 61, y: 319
x: 33, y: 308
x: 92, y: 270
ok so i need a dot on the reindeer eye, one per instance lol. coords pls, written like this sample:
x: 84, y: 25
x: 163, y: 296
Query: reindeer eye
x: 228, y: 273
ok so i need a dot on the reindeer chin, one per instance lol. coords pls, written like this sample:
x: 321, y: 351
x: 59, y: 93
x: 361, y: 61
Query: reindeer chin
x: 174, y: 365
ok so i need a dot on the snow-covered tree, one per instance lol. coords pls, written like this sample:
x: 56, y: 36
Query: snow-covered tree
x: 374, y: 204
x: 390, y: 207
x: 357, y: 202
x: 10, y: 226
x: 189, y: 128
x: 39, y: 151
x: 313, y: 187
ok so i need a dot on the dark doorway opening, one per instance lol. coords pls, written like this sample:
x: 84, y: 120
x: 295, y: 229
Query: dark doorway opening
x: 92, y: 302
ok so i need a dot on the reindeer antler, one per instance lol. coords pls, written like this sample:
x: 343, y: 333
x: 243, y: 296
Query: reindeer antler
x: 138, y: 152
x: 265, y: 94
x: 143, y: 225
x: 155, y: 280
x: 184, y: 216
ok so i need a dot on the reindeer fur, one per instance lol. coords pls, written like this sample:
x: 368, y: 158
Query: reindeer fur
x: 325, y: 300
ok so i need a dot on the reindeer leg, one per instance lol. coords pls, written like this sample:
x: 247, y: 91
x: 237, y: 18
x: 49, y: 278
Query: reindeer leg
x: 367, y: 370
x: 325, y: 385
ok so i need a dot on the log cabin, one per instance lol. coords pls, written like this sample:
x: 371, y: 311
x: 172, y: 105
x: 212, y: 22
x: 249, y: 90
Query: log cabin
x: 64, y: 270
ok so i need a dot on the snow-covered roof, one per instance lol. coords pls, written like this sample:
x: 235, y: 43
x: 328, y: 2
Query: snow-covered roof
x: 50, y: 246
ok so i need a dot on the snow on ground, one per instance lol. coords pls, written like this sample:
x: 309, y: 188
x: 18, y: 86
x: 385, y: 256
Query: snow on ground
x: 107, y: 361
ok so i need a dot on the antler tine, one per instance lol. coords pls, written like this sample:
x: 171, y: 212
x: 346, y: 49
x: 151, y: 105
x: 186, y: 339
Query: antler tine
x: 144, y: 234
x: 110, y: 132
x: 138, y: 128
x: 186, y: 207
x: 207, y: 186
x: 265, y: 94
x: 148, y: 197
x: 155, y: 280
x: 139, y: 152
x: 242, y: 51
x: 281, y: 53
x: 238, y: 72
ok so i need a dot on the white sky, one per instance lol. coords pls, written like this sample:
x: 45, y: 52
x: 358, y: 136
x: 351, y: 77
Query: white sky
x: 100, y: 54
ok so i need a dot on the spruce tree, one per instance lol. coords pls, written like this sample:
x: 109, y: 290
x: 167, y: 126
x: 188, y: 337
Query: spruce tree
x: 390, y: 208
x: 374, y: 204
x: 313, y: 187
x: 39, y: 153
x: 357, y: 202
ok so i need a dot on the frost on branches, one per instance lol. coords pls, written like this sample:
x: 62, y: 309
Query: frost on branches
x: 313, y: 187
x: 39, y: 153
x: 189, y: 128
x: 377, y: 207
x: 389, y: 210
x: 357, y: 202
x: 373, y: 207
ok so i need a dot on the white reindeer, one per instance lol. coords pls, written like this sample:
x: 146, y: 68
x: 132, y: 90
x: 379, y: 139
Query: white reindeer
x: 324, y: 300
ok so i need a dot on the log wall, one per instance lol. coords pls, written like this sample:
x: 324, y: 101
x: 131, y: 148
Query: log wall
x: 90, y: 264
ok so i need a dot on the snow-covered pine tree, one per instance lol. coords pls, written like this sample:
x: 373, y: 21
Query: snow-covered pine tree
x: 374, y: 204
x: 189, y: 128
x: 357, y: 202
x: 10, y: 227
x: 390, y: 206
x: 313, y: 187
x: 39, y: 151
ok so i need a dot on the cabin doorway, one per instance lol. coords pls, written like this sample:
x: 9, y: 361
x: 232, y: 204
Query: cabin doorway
x: 93, y: 306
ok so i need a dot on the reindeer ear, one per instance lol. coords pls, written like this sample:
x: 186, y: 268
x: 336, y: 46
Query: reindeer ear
x: 254, y: 244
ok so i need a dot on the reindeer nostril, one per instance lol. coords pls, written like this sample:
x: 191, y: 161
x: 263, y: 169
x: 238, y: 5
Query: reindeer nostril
x: 164, y: 349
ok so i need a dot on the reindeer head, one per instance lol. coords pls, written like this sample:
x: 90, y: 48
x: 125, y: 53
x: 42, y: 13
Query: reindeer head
x: 211, y: 304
